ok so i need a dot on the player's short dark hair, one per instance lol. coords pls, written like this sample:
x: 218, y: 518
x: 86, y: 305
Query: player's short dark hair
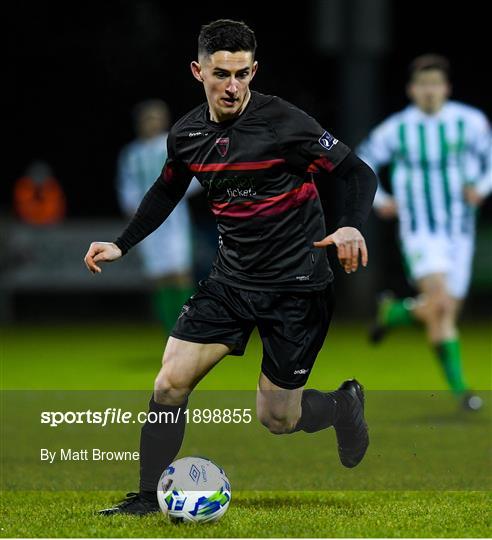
x: 226, y: 35
x: 426, y: 62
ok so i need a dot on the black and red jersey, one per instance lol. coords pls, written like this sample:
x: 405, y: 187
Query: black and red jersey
x: 258, y: 174
x: 256, y: 170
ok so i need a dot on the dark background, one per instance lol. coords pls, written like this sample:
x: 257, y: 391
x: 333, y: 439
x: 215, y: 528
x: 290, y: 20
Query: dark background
x: 74, y: 72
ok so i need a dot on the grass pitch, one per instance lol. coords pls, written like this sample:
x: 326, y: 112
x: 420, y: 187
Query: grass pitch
x: 127, y: 357
x: 261, y: 514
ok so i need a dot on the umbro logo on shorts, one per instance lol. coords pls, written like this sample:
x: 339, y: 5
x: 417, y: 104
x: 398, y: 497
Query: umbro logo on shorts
x: 300, y: 371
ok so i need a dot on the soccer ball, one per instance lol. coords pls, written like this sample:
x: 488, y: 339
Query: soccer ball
x: 193, y: 489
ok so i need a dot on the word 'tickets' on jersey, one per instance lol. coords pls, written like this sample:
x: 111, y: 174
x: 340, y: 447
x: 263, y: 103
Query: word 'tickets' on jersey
x: 256, y: 170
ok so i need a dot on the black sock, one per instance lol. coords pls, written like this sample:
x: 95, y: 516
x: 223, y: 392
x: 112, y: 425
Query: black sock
x: 159, y: 444
x: 319, y: 410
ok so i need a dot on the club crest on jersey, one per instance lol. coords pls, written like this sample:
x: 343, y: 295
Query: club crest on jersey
x: 222, y: 145
x: 327, y: 140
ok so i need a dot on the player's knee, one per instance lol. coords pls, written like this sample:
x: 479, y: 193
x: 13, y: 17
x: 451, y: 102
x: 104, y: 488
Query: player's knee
x: 442, y: 306
x: 170, y: 389
x: 281, y: 427
x: 278, y: 425
x: 447, y: 306
x: 436, y: 307
x: 169, y: 395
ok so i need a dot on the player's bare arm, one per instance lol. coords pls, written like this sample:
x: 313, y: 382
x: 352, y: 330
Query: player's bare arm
x: 350, y: 244
x: 101, y: 252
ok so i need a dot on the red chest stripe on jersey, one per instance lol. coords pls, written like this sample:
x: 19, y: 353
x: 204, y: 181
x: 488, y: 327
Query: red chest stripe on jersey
x: 244, y: 166
x: 323, y: 163
x: 270, y: 206
x: 168, y: 174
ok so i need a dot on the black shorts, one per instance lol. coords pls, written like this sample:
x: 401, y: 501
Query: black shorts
x: 292, y: 326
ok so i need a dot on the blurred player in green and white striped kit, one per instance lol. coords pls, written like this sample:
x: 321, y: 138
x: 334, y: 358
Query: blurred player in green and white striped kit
x: 439, y: 152
x: 167, y: 253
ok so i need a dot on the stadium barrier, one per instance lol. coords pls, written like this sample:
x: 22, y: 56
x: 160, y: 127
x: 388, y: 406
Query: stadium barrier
x: 50, y: 260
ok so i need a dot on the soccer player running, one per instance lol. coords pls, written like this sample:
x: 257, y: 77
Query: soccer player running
x: 256, y: 156
x: 441, y: 170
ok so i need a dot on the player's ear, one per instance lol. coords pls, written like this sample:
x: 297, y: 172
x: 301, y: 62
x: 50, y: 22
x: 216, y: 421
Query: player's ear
x: 196, y: 69
x: 255, y: 67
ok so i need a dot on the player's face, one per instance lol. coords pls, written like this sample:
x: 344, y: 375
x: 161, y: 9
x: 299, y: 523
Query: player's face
x: 226, y: 76
x: 429, y: 90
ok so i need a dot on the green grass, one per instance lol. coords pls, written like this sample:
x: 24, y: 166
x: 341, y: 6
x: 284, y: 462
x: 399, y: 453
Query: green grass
x: 266, y: 514
x: 127, y: 358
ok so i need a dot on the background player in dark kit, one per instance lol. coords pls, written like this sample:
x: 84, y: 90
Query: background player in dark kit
x: 256, y: 156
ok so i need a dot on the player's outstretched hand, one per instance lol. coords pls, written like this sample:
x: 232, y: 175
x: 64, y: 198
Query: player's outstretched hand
x: 101, y: 252
x: 349, y: 242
